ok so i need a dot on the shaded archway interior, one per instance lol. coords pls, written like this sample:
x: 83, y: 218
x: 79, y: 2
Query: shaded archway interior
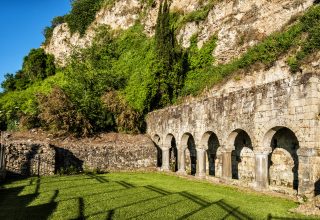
x: 156, y: 140
x: 190, y: 153
x: 283, y: 161
x: 173, y: 153
x: 242, y: 157
x: 214, y: 157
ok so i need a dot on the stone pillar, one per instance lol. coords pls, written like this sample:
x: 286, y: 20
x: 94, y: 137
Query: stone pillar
x: 226, y: 163
x: 181, y: 161
x: 165, y: 159
x: 261, y: 167
x: 201, y: 163
x: 306, y: 171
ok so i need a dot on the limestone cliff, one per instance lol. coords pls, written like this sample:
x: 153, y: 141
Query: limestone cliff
x: 238, y: 24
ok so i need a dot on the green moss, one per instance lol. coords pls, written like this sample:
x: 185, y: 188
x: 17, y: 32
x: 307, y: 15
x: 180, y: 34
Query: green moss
x: 266, y: 52
x: 196, y: 16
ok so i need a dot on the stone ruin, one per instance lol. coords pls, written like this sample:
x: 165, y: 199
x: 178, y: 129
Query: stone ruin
x: 261, y: 132
x: 280, y: 171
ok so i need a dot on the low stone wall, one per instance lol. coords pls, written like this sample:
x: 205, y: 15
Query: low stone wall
x: 109, y: 152
x: 28, y: 158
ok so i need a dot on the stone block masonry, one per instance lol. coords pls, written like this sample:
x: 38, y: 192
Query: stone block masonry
x: 29, y: 156
x: 266, y: 135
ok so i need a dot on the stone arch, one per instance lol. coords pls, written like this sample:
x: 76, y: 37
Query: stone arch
x: 268, y: 130
x: 242, y: 156
x: 189, y: 147
x: 170, y: 142
x: 210, y: 142
x: 283, y: 161
x: 157, y: 142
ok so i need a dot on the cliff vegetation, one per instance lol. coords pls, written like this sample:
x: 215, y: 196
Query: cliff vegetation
x: 124, y: 74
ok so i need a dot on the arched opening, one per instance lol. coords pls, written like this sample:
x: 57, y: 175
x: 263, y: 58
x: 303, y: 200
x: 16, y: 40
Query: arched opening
x: 214, y: 162
x: 283, y: 161
x: 173, y: 152
x: 190, y: 153
x: 156, y: 141
x: 242, y: 157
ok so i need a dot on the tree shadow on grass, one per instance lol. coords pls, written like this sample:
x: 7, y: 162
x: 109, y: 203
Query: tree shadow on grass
x: 230, y: 210
x: 15, y: 206
x: 100, y: 179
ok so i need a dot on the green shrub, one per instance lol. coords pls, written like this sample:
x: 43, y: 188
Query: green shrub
x: 60, y: 116
x: 38, y: 65
x: 82, y: 14
x: 196, y: 16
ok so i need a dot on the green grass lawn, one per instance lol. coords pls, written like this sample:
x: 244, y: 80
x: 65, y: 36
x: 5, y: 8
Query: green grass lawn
x: 134, y: 196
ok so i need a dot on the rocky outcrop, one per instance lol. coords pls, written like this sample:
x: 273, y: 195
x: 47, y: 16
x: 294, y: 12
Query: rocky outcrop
x: 237, y: 24
x: 241, y: 24
x: 120, y: 15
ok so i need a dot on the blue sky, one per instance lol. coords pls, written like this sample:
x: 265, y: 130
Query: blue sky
x: 21, y: 26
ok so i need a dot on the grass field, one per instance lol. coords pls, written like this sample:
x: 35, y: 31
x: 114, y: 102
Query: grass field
x: 134, y: 196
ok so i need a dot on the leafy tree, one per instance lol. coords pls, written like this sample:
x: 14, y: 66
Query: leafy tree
x: 21, y: 80
x: 59, y: 115
x: 169, y: 66
x: 82, y: 15
x: 9, y: 83
x: 37, y: 65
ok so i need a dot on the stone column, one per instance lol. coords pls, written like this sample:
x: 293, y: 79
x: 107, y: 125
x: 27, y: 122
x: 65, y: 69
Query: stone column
x: 181, y: 161
x: 261, y: 167
x: 165, y: 159
x: 201, y: 163
x: 306, y: 171
x: 226, y: 163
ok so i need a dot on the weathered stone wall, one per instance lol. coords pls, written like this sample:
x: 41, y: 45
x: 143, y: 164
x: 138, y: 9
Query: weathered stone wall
x: 109, y: 152
x: 113, y: 152
x: 263, y: 112
x: 29, y: 158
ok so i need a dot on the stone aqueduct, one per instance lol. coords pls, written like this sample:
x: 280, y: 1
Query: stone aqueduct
x: 266, y: 136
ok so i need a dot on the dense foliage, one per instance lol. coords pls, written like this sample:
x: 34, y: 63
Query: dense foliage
x: 169, y: 68
x: 113, y: 84
x: 37, y: 65
x: 82, y: 14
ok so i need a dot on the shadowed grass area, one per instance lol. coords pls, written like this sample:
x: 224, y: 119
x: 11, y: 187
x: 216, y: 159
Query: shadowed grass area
x: 134, y: 196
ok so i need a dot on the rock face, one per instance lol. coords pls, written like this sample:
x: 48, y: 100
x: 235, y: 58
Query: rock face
x: 111, y: 152
x: 121, y: 15
x: 237, y: 24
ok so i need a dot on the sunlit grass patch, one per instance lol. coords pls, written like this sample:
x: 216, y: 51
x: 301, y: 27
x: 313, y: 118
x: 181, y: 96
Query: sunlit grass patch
x: 134, y: 196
